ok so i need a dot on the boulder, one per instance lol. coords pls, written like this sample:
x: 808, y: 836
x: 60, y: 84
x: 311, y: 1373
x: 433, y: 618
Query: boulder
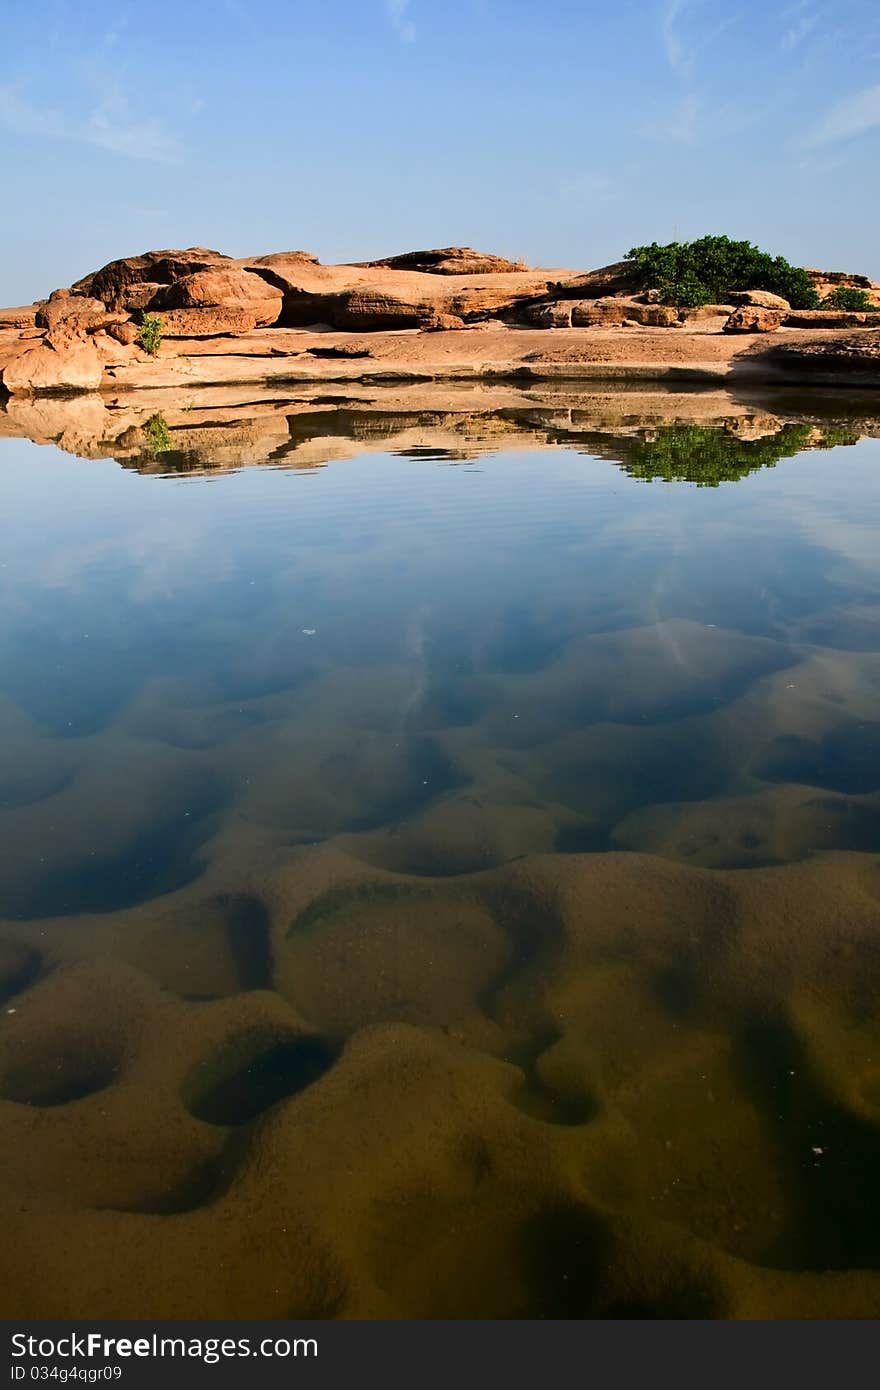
x: 162, y: 267
x: 556, y: 314
x: 441, y: 323
x: 124, y: 331
x: 761, y: 299
x: 751, y: 318
x: 65, y: 364
x: 227, y: 288
x: 206, y: 323
x: 451, y: 260
x: 588, y: 313
x: 76, y: 312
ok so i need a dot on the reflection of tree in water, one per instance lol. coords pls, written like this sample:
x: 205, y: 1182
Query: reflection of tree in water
x: 704, y: 455
x: 708, y: 455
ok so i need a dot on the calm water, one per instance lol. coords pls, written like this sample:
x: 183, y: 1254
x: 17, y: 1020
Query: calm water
x: 440, y: 869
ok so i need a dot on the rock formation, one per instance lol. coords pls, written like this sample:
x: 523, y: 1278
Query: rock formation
x: 284, y: 305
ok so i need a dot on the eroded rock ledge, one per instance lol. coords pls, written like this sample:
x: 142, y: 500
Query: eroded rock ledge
x: 443, y: 314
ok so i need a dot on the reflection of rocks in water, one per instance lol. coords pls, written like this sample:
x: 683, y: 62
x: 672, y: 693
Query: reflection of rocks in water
x: 701, y: 436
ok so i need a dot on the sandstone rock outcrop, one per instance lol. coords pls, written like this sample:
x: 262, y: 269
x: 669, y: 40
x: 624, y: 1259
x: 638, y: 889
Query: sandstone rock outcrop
x: 826, y: 281
x: 701, y: 312
x: 227, y: 288
x: 139, y: 295
x: 111, y: 282
x: 124, y: 331
x: 77, y: 312
x: 213, y: 322
x: 828, y: 318
x: 277, y: 317
x: 451, y: 260
x: 751, y: 318
x: 595, y: 313
x: 761, y: 299
x: 619, y: 278
x: 851, y: 360
x: 73, y: 366
x: 443, y: 323
x: 20, y: 316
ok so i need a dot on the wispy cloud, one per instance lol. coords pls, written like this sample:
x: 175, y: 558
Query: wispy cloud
x: 400, y: 20
x: 688, y: 30
x: 678, y: 53
x: 800, y: 30
x: 853, y: 116
x: 109, y: 124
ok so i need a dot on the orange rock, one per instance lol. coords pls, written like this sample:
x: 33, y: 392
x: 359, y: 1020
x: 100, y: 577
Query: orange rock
x: 111, y: 282
x: 72, y: 311
x: 212, y: 322
x: 227, y: 288
x: 451, y: 260
x: 761, y: 299
x: 751, y: 318
x: 71, y: 365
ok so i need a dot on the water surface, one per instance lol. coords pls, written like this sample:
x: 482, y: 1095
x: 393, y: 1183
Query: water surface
x: 441, y: 859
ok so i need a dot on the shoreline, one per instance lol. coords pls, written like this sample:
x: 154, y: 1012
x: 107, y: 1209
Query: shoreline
x: 273, y: 356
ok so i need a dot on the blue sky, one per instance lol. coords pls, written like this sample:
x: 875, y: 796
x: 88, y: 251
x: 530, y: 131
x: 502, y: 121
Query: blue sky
x: 560, y: 133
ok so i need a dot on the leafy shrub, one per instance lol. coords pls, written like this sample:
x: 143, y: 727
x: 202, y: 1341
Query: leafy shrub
x: 685, y: 293
x: 713, y: 266
x: 848, y: 297
x: 150, y: 333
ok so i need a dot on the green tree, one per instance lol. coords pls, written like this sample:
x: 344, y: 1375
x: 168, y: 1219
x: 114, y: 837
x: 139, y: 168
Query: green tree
x: 707, y: 270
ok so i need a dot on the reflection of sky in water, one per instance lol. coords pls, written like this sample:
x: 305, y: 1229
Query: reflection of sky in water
x: 109, y: 575
x: 388, y: 628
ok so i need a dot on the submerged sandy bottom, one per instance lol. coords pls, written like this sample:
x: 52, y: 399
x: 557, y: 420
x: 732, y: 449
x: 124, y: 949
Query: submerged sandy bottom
x: 548, y: 990
x: 608, y: 1084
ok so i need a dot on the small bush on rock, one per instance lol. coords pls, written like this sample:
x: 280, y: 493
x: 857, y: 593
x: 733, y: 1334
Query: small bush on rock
x: 150, y: 333
x: 707, y: 270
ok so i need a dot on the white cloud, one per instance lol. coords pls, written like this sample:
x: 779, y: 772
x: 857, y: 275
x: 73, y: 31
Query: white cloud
x: 678, y: 54
x: 110, y: 125
x: 853, y: 116
x: 399, y: 18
